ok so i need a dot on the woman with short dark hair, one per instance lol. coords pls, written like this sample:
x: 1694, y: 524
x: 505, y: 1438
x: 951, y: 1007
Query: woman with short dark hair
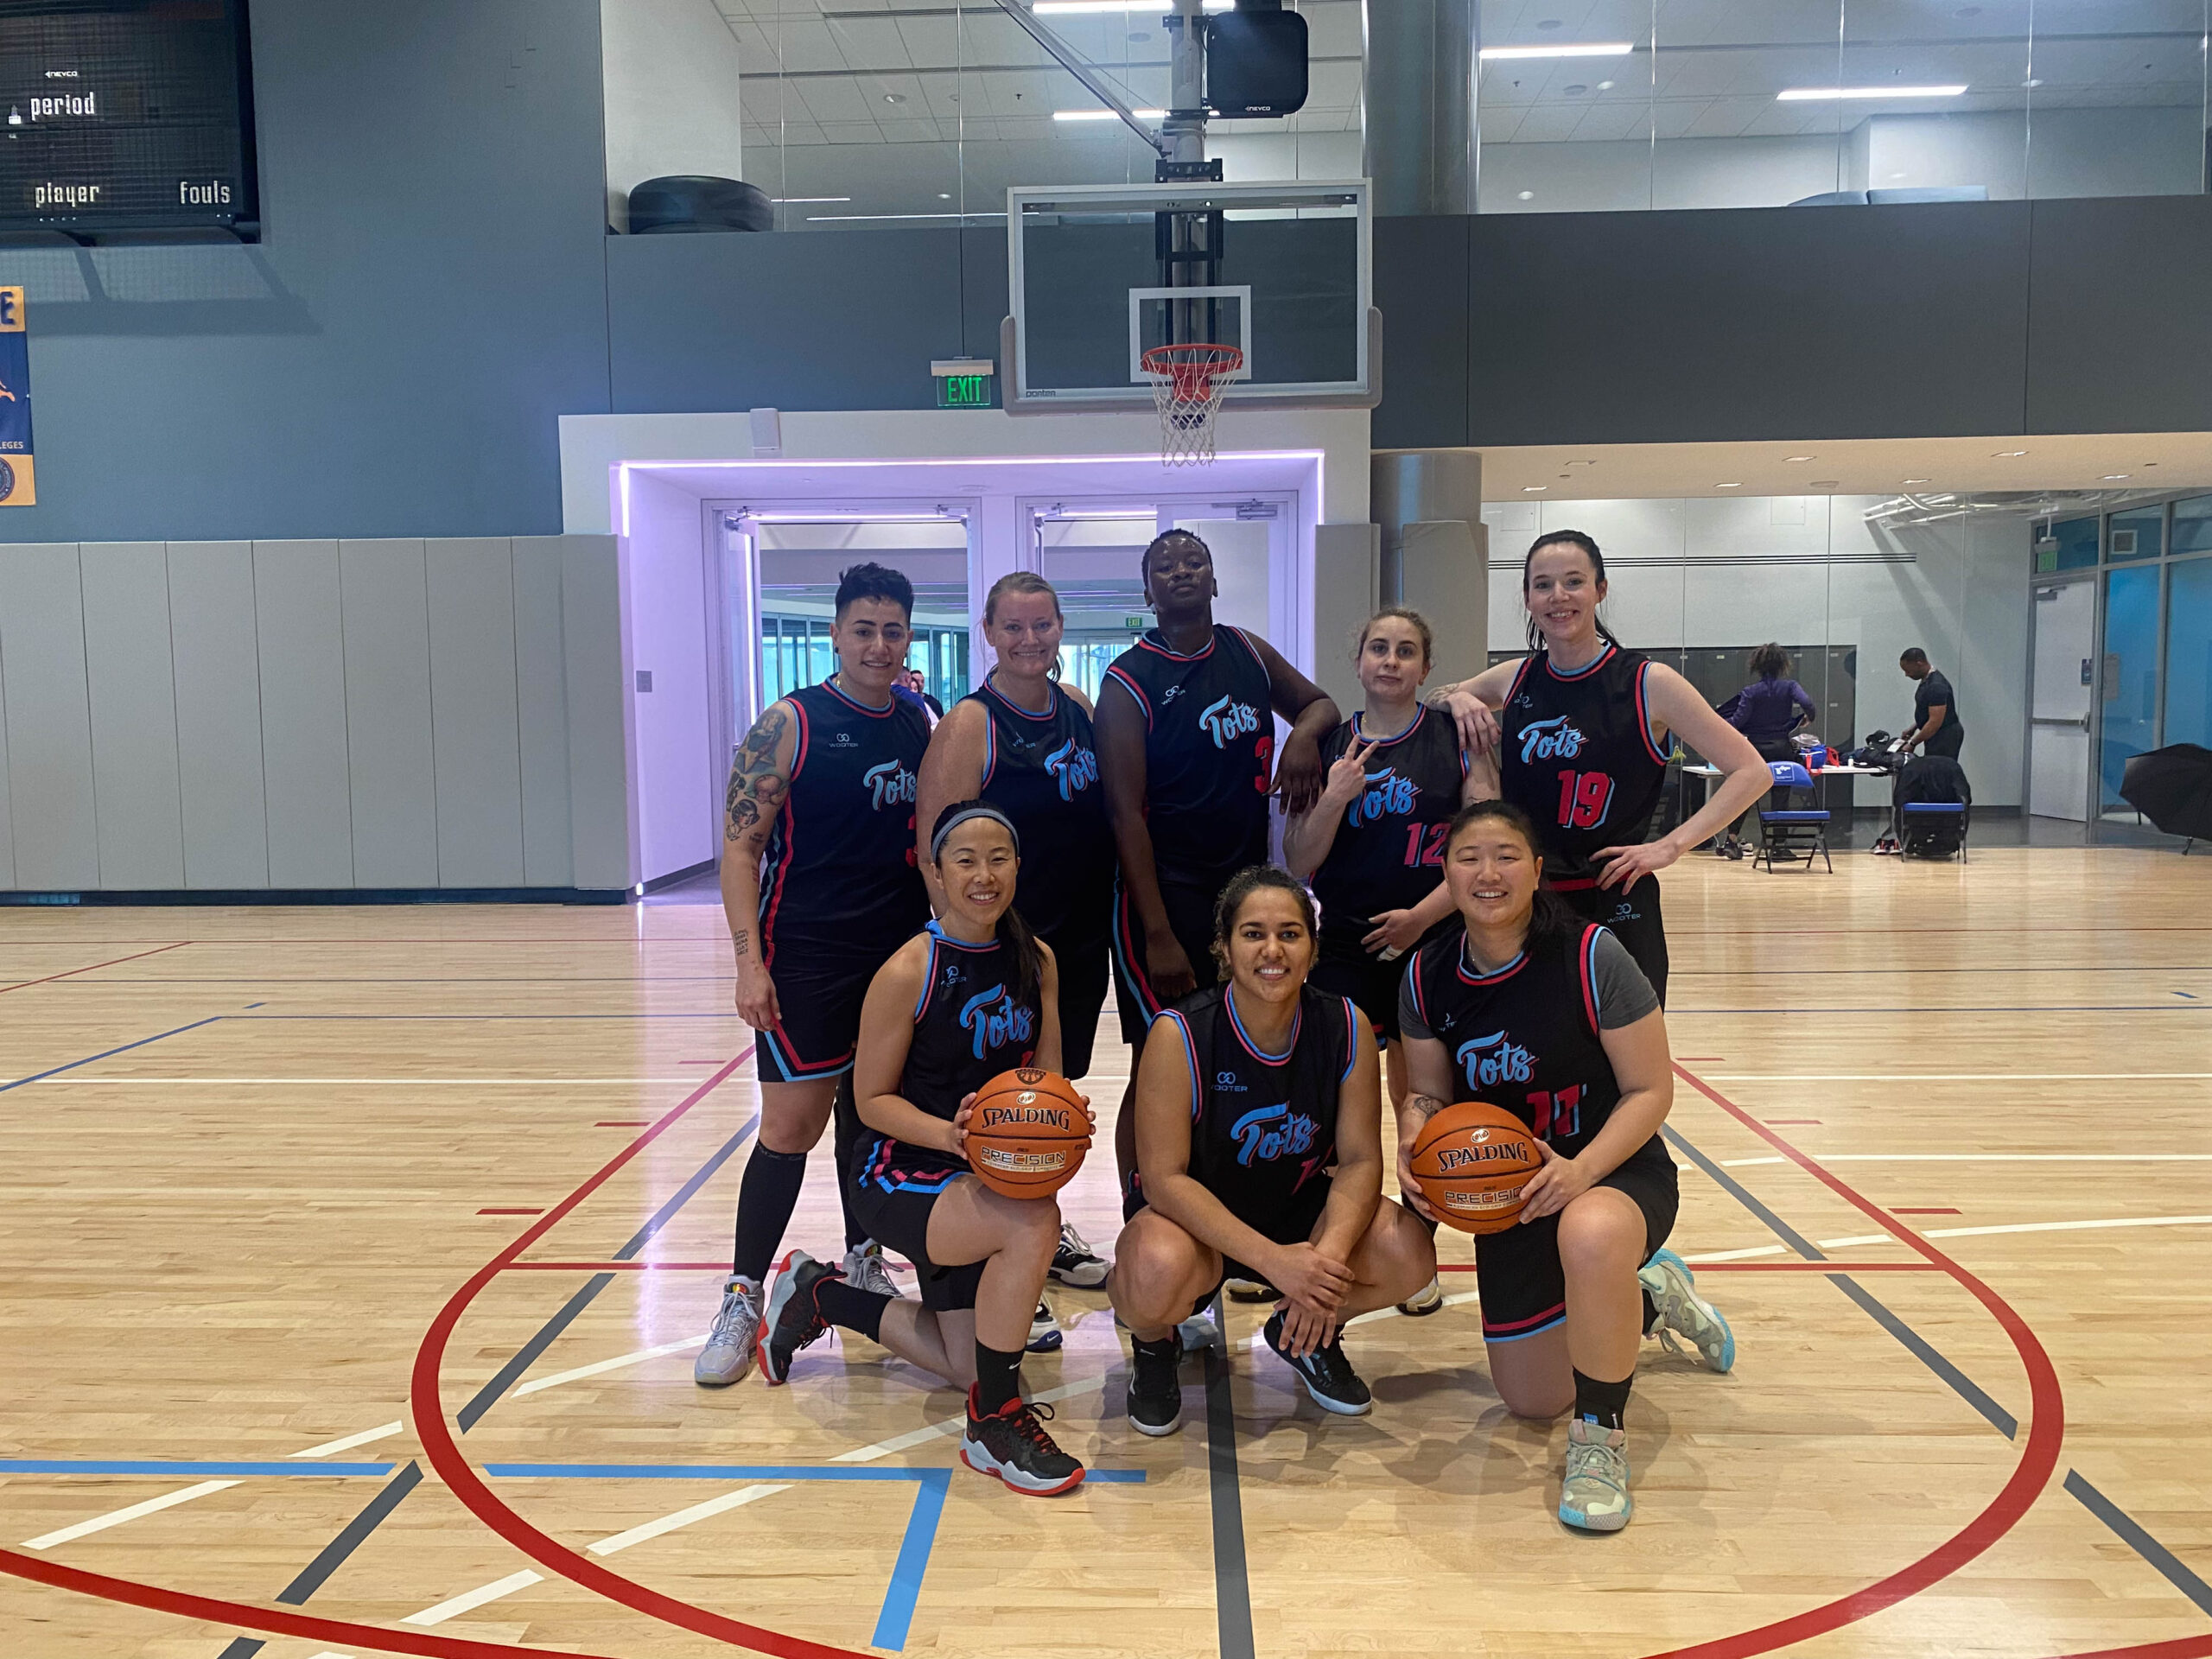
x: 1767, y: 711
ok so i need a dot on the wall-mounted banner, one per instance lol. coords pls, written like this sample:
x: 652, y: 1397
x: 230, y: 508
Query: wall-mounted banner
x: 18, y: 486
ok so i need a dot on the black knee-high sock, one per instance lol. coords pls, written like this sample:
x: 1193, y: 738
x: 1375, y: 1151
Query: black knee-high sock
x: 847, y: 1126
x: 1602, y: 1404
x: 1650, y: 1314
x: 998, y: 1378
x: 766, y: 1198
x: 850, y: 1306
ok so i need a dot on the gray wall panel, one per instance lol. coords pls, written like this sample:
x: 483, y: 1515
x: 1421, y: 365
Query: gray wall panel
x: 7, y: 818
x: 388, y: 733
x: 217, y: 714
x: 297, y: 615
x: 601, y: 800
x: 133, y: 688
x: 2120, y: 332
x: 49, y: 723
x: 542, y: 711
x: 473, y: 714
x: 1422, y: 289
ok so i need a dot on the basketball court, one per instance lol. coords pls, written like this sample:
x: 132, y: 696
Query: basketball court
x: 362, y: 1257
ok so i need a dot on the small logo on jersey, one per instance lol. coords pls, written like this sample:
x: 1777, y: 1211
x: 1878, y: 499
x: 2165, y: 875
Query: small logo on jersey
x: 1227, y: 1080
x: 1225, y: 718
x: 1073, y: 767
x: 1494, y: 1060
x: 843, y: 741
x: 1625, y: 912
x: 1524, y: 700
x: 996, y: 1019
x: 1549, y: 740
x: 1386, y: 795
x: 889, y: 785
x: 1270, y: 1132
x: 1169, y: 695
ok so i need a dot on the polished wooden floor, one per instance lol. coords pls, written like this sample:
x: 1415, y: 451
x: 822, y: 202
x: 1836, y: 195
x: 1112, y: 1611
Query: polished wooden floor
x: 292, y: 1198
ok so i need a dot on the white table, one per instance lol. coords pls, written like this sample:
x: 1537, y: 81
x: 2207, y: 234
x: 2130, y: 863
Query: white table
x: 1705, y: 772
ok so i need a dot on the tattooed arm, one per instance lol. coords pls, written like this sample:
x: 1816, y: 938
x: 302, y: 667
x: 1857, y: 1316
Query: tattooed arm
x: 1428, y: 1072
x: 758, y: 779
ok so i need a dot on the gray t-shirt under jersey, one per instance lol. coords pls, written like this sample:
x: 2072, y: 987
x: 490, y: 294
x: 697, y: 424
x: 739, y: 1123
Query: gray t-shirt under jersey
x: 1625, y: 995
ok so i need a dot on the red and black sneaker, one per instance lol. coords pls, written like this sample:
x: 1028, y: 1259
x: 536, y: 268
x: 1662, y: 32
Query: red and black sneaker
x: 791, y: 1321
x: 1013, y: 1445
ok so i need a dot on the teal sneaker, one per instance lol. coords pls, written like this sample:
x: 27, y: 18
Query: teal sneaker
x: 1594, y: 1496
x: 1683, y: 1312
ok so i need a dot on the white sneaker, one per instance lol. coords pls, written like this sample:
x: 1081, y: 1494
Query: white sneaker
x: 1426, y: 1301
x: 1683, y: 1312
x: 1075, y: 1262
x: 729, y: 1353
x: 1594, y: 1496
x: 865, y: 1270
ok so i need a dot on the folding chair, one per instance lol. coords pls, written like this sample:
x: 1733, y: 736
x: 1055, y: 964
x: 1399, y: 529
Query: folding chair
x: 1933, y: 816
x: 1793, y: 832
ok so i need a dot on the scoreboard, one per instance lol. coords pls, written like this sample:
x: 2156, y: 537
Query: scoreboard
x: 125, y: 115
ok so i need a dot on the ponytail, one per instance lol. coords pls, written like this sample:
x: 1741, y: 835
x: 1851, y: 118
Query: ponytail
x: 1570, y: 538
x: 1028, y: 958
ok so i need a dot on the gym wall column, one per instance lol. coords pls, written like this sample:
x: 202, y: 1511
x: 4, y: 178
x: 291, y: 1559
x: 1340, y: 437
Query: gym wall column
x: 1421, y: 88
x: 1429, y: 504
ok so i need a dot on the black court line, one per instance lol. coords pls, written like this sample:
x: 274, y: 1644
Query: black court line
x: 56, y: 1071
x: 1232, y: 1583
x: 313, y: 1576
x: 2122, y: 1525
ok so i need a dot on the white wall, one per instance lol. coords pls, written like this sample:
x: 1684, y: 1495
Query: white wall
x: 303, y: 715
x: 671, y: 93
x: 665, y: 614
x: 1734, y: 571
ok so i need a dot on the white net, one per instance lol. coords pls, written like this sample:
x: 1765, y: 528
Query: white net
x: 1188, y: 383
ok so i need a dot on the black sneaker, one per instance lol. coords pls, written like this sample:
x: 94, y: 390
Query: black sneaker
x: 1014, y: 1446
x: 1326, y: 1373
x: 791, y: 1321
x: 1044, y: 1336
x: 1156, y: 1387
x: 1074, y: 1262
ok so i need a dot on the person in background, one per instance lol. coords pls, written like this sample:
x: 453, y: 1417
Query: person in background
x: 910, y: 684
x: 1935, y: 724
x: 1766, y: 711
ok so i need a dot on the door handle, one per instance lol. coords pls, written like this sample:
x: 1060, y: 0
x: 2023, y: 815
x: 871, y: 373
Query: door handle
x: 2080, y: 722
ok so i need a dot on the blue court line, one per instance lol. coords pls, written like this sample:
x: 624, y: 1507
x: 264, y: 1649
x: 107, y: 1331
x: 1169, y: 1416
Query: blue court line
x: 126, y: 1466
x: 746, y: 1472
x: 904, y: 1590
x: 55, y: 1071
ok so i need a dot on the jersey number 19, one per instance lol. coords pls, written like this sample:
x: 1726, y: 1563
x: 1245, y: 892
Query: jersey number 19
x: 1583, y: 798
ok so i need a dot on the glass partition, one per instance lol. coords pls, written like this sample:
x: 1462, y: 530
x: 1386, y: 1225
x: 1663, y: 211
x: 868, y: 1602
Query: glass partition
x: 2128, y: 689
x: 2189, y: 652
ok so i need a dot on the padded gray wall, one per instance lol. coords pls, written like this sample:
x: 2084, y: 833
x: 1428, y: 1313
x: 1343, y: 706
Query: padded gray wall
x: 394, y: 714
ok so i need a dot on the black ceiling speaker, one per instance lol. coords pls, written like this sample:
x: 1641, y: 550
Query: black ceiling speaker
x: 1255, y: 60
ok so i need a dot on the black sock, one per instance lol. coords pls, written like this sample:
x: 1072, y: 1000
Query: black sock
x: 1650, y: 1314
x: 998, y: 1378
x: 1602, y: 1404
x: 850, y: 1306
x: 766, y: 1198
x: 846, y: 1128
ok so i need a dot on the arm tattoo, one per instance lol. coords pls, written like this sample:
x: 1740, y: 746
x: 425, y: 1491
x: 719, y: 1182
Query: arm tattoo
x: 756, y: 788
x: 743, y: 941
x: 1424, y: 1106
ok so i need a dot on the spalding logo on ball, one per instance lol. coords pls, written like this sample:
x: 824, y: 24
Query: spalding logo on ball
x: 1027, y: 1134
x: 1473, y: 1162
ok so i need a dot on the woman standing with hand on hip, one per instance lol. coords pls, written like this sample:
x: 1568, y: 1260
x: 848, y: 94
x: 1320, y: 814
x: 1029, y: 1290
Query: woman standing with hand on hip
x: 1578, y: 730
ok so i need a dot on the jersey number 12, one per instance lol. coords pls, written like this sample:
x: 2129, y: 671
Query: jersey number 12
x: 1425, y: 844
x: 1583, y: 798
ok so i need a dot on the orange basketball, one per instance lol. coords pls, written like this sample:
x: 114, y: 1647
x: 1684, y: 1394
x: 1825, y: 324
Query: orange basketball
x: 1472, y: 1162
x: 1027, y: 1134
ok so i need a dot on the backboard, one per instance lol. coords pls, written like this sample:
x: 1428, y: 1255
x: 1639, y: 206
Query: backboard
x: 1099, y: 273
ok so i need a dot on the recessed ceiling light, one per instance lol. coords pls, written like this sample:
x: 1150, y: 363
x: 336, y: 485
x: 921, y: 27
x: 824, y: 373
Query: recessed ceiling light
x: 1528, y: 196
x: 1531, y: 489
x: 1083, y: 8
x: 810, y: 199
x: 1106, y: 115
x: 894, y: 97
x: 1576, y: 90
x: 1738, y: 485
x: 944, y: 195
x: 1582, y: 463
x: 2110, y: 476
x: 1826, y: 483
x: 1800, y: 457
x: 2033, y: 80
x: 2005, y: 454
x: 1605, y: 86
x: 1806, y: 94
x: 1591, y: 49
x: 1916, y: 481
x: 1549, y: 22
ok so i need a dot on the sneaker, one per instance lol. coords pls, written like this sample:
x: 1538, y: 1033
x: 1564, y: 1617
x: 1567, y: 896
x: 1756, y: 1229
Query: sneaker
x: 1075, y: 1263
x: 1734, y: 849
x: 729, y: 1353
x: 1156, y: 1391
x: 791, y: 1321
x: 1594, y: 1496
x: 1683, y: 1312
x: 1044, y: 1336
x: 1248, y: 1290
x: 1423, y: 1303
x: 1013, y: 1445
x: 1325, y: 1372
x: 865, y: 1270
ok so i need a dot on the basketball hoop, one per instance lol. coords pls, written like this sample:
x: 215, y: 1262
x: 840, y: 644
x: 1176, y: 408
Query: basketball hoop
x: 1188, y: 383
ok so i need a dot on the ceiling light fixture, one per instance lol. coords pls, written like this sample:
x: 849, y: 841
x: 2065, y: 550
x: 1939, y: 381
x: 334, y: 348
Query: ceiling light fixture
x: 1106, y: 115
x: 1593, y: 49
x: 1088, y: 8
x: 1528, y: 196
x: 2109, y: 477
x: 850, y: 218
x: 1737, y: 485
x: 793, y: 200
x: 1806, y: 94
x: 1531, y: 489
x: 2005, y: 454
x: 1918, y: 480
x: 1800, y: 457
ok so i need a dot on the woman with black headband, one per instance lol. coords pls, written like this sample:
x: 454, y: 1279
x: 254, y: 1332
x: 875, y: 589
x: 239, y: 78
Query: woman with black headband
x: 973, y: 994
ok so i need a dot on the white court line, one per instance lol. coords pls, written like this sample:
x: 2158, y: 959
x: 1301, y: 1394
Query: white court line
x: 1987, y: 1158
x: 331, y: 1448
x: 117, y: 1517
x: 606, y: 1365
x: 518, y: 1083
x: 1950, y: 1077
x: 957, y: 1424
x: 713, y: 1506
x: 470, y: 1600
x: 1860, y: 1240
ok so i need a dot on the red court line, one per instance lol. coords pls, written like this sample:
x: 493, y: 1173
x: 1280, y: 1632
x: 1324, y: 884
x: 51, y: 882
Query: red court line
x: 1918, y: 1210
x: 2038, y: 1452
x: 1814, y: 1266
x: 467, y: 1483
x: 239, y: 1615
x: 1795, y: 1122
x: 95, y: 967
x: 619, y: 1266
x: 537, y: 1211
x: 623, y: 1123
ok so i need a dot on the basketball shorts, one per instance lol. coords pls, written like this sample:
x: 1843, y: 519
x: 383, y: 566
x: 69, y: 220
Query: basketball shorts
x: 1292, y: 1225
x: 818, y: 1000
x: 1634, y: 919
x: 1189, y: 918
x: 894, y: 1188
x: 1517, y: 1272
x: 1083, y: 966
x: 1346, y: 968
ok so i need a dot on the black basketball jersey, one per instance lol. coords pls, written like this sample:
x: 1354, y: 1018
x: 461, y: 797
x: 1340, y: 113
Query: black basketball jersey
x: 1388, y: 853
x: 1578, y: 754
x: 1041, y: 770
x: 1263, y: 1127
x: 968, y: 1028
x: 1524, y: 1037
x: 1209, y: 752
x: 841, y: 875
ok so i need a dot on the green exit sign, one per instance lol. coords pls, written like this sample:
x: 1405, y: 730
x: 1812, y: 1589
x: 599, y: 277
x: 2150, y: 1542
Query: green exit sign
x: 963, y: 382
x: 1136, y: 623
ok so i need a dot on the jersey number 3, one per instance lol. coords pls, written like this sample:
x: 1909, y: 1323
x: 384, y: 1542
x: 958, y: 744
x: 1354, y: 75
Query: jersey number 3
x: 1583, y: 798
